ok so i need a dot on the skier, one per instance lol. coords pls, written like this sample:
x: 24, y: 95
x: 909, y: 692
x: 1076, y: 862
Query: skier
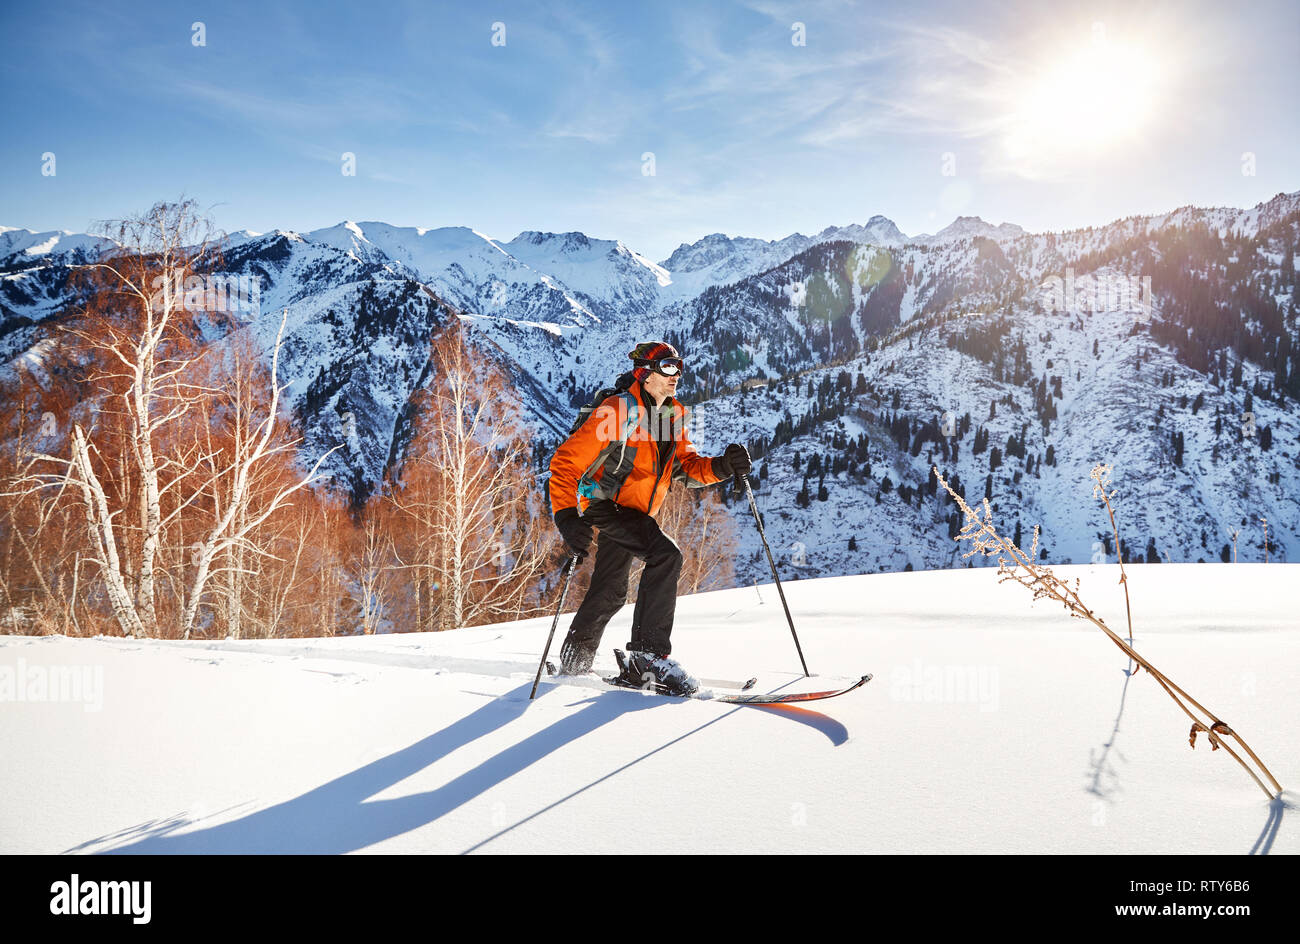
x: 609, y: 474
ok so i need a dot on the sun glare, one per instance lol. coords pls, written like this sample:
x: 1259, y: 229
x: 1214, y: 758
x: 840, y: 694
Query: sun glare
x: 1089, y: 100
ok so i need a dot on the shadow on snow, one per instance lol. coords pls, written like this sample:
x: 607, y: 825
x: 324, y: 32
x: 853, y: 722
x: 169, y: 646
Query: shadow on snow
x: 338, y: 817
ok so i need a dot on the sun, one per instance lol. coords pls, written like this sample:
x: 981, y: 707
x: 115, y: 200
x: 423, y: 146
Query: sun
x: 1081, y: 103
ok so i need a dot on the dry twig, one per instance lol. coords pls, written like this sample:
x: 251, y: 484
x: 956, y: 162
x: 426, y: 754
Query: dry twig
x: 1016, y: 565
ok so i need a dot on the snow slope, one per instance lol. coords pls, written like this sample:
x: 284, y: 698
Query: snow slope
x: 427, y: 743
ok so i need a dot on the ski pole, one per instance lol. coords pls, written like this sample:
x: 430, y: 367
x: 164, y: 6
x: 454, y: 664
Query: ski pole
x: 569, y: 566
x: 741, y: 478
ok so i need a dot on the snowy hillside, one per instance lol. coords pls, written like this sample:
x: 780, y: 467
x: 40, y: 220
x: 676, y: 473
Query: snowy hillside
x: 992, y: 726
x: 894, y: 333
x: 1114, y: 406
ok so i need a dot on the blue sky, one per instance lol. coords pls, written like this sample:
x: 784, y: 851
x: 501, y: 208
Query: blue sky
x: 1044, y: 114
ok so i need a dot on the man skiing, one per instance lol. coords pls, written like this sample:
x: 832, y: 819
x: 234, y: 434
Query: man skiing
x: 610, y: 474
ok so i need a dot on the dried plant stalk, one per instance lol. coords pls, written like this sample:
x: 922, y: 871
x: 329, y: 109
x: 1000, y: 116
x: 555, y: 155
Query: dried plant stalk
x: 1017, y: 565
x: 1101, y: 475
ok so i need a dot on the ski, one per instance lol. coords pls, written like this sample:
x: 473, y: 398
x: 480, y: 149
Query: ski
x: 774, y: 698
x: 650, y: 686
x: 732, y: 684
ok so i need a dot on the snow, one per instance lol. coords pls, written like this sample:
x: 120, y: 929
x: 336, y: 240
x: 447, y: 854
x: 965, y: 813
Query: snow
x: 24, y: 246
x: 1109, y: 411
x: 967, y: 227
x: 561, y: 310
x: 598, y: 268
x: 992, y: 725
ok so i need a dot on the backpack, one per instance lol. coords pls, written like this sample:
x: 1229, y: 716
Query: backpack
x: 621, y: 385
x: 604, y: 393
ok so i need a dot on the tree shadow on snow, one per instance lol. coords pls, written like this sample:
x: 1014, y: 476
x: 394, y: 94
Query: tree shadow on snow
x: 339, y: 817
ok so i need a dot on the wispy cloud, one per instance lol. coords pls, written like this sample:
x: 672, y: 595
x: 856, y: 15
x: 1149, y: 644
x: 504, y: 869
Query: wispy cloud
x: 766, y: 82
x: 341, y: 102
x: 584, y: 134
x: 598, y: 101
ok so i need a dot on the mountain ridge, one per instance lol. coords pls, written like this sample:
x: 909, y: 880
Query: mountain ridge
x: 958, y: 323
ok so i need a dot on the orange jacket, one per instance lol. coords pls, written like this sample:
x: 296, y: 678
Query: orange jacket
x: 615, y: 455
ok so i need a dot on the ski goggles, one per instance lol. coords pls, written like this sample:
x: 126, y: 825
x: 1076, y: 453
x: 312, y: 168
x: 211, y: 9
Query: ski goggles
x: 667, y: 366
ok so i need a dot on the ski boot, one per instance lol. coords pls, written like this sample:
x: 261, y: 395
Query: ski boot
x: 666, y: 674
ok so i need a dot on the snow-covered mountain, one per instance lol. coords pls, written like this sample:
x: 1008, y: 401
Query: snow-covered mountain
x: 869, y: 354
x: 19, y: 246
x: 967, y: 227
x: 551, y: 308
x: 863, y: 340
x: 464, y: 267
x: 615, y: 281
x: 34, y: 270
x: 719, y: 259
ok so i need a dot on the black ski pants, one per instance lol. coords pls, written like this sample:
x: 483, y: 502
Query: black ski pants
x: 625, y: 533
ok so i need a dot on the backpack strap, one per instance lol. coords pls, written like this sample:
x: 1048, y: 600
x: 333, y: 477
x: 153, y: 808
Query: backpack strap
x: 587, y: 486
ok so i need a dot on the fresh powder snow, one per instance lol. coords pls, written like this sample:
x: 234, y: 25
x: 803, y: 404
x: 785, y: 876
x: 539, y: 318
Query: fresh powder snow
x: 993, y: 725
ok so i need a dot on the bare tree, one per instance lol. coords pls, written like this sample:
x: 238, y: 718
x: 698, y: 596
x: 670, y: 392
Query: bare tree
x: 239, y: 509
x: 140, y: 341
x: 39, y: 536
x: 466, y: 491
x: 165, y: 494
x: 706, y: 533
x: 368, y: 565
x: 302, y: 544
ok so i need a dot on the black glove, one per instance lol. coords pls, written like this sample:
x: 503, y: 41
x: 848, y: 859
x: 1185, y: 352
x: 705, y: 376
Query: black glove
x: 575, y: 531
x: 733, y: 461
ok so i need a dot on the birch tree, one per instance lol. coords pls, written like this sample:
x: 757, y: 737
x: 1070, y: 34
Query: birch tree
x: 239, y: 508
x: 163, y: 498
x: 467, y: 492
x: 136, y: 342
x: 39, y: 537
